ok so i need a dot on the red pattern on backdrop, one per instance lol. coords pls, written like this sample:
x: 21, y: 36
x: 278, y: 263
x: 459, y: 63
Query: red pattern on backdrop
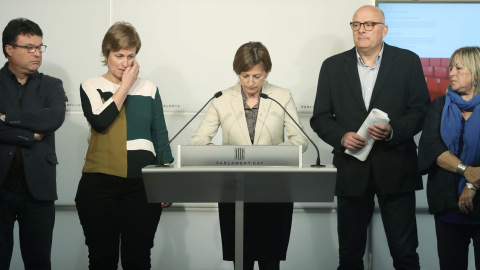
x: 436, y: 75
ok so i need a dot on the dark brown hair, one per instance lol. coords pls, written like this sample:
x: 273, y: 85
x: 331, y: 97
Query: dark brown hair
x: 249, y: 55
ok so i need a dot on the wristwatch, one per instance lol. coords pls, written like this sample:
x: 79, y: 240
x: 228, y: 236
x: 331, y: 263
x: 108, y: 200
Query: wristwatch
x: 470, y: 186
x: 2, y: 117
x: 461, y: 168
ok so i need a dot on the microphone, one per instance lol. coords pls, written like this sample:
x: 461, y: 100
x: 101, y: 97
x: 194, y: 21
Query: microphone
x: 317, y: 164
x: 218, y: 94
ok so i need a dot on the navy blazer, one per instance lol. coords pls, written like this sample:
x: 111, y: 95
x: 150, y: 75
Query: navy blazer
x: 42, y: 111
x: 401, y: 91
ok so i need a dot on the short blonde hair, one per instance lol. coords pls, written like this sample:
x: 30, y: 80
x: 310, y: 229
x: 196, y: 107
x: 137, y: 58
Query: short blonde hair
x: 470, y: 58
x: 121, y: 35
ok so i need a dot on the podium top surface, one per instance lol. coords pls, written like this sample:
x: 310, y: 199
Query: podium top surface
x: 233, y: 169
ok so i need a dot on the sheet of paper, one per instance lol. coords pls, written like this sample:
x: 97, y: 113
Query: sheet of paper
x: 376, y: 116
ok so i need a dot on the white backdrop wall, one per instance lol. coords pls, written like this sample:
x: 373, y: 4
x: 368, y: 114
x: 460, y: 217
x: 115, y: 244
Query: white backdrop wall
x: 188, y: 45
x: 187, y: 51
x: 188, y: 48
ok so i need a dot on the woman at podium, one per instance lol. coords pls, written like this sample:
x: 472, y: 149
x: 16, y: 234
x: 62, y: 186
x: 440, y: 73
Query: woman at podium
x: 246, y: 119
x: 128, y: 128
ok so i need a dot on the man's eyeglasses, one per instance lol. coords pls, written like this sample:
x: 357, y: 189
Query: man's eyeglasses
x: 367, y: 25
x: 31, y: 49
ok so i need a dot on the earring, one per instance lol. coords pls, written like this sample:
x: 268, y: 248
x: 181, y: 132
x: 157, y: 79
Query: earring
x: 476, y: 83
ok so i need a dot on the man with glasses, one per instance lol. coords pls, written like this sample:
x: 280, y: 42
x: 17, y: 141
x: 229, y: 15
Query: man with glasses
x: 351, y: 84
x: 32, y: 108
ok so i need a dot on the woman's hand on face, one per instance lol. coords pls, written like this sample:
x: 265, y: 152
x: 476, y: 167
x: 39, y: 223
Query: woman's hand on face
x: 130, y: 75
x: 465, y: 202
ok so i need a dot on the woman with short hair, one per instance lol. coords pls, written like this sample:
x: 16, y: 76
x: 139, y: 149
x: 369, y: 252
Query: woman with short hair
x: 128, y: 132
x: 248, y: 120
x: 449, y: 152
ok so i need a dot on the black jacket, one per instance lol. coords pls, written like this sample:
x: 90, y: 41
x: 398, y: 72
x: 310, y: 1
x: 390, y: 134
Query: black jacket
x: 400, y: 91
x: 42, y: 111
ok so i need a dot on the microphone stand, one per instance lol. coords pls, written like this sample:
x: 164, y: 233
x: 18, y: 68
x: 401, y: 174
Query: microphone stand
x: 317, y: 164
x: 218, y: 94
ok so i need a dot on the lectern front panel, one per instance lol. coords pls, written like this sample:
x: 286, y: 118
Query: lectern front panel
x: 269, y: 184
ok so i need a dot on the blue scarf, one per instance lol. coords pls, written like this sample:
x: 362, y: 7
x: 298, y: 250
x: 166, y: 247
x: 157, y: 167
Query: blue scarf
x: 451, y: 125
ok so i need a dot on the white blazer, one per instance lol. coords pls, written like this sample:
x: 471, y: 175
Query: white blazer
x: 228, y: 111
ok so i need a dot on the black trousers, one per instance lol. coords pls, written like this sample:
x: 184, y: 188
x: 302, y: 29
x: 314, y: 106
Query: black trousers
x: 116, y: 218
x: 267, y: 229
x: 399, y: 222
x: 453, y: 241
x: 262, y: 265
x: 35, y: 222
